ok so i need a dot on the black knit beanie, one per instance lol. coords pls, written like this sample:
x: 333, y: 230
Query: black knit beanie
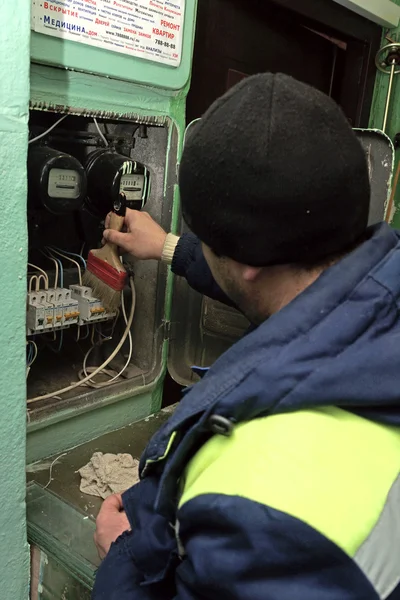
x: 274, y: 174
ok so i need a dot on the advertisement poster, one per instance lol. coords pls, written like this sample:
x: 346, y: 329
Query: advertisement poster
x: 148, y: 29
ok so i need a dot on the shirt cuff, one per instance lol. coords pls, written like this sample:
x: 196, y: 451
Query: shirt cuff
x: 169, y: 248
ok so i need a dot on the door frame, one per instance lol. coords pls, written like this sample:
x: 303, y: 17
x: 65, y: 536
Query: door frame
x: 364, y: 39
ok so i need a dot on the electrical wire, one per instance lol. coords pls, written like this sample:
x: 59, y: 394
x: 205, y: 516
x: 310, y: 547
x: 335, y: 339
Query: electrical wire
x: 109, y: 372
x: 58, y: 349
x: 31, y: 280
x: 106, y: 362
x: 42, y: 135
x: 46, y: 277
x: 56, y: 263
x: 78, y: 333
x: 38, y: 280
x: 51, y: 469
x: 87, y: 333
x: 31, y: 359
x: 28, y: 358
x: 52, y: 257
x: 92, y: 335
x: 101, y: 134
x: 68, y: 253
x: 71, y: 260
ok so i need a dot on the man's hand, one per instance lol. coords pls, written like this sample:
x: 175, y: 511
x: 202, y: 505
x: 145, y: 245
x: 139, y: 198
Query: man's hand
x: 110, y: 524
x: 143, y: 237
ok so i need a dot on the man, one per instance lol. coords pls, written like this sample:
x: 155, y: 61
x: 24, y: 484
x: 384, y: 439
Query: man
x: 277, y: 478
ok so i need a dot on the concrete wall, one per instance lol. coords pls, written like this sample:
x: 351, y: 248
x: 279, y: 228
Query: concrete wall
x: 14, y: 94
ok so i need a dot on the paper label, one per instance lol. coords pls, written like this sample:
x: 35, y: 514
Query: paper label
x: 148, y: 29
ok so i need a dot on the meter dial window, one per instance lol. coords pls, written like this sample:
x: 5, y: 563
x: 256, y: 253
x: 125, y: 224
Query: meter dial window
x: 64, y: 183
x: 132, y: 186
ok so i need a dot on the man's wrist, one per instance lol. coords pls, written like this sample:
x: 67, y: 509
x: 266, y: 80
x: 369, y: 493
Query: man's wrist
x: 171, y: 241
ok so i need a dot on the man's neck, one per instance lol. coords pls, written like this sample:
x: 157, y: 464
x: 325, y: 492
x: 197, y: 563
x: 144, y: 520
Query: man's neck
x: 280, y: 286
x: 292, y: 284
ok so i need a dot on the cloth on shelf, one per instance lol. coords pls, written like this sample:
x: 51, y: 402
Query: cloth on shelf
x: 108, y: 474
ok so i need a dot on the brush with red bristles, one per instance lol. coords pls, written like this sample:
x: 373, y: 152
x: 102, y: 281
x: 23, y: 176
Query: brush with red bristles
x: 105, y: 273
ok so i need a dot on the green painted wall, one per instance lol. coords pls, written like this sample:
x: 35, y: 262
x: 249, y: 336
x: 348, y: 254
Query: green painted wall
x: 14, y: 96
x: 378, y: 109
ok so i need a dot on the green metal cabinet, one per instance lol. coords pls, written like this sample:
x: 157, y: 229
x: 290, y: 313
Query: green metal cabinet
x: 83, y: 80
x: 72, y: 77
x: 78, y: 79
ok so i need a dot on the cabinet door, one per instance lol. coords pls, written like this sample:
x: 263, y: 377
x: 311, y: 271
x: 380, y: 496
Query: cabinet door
x: 202, y: 329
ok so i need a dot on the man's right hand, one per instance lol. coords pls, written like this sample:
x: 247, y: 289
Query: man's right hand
x: 142, y: 236
x: 111, y: 522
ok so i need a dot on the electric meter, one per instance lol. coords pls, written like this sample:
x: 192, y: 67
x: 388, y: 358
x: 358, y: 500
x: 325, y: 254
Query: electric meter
x: 132, y: 186
x: 56, y: 180
x: 108, y: 175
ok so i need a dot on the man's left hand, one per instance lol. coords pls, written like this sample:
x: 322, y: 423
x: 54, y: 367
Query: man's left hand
x: 110, y: 524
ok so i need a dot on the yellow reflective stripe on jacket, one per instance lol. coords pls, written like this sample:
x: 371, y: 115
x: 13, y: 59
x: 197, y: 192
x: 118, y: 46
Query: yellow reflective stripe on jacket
x: 150, y: 461
x: 327, y: 467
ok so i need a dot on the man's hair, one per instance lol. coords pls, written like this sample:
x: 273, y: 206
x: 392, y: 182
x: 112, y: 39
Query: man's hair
x: 332, y: 259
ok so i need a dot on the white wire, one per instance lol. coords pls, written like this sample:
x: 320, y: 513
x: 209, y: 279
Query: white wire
x: 109, y: 372
x: 38, y: 280
x: 42, y: 135
x: 101, y: 134
x: 71, y: 260
x: 51, y: 469
x: 56, y: 265
x: 31, y: 279
x: 46, y: 277
x: 59, y: 266
x: 36, y: 353
x: 106, y: 362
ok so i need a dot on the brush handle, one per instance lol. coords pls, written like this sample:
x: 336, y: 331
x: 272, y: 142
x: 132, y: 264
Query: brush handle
x: 116, y: 223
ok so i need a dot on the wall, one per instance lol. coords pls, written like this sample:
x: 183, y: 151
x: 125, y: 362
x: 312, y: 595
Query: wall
x: 14, y: 93
x: 378, y: 108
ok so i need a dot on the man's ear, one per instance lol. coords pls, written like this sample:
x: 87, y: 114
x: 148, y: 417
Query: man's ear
x: 244, y: 272
x: 251, y: 274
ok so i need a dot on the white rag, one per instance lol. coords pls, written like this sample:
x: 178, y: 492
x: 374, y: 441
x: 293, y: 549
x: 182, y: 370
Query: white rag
x: 108, y: 474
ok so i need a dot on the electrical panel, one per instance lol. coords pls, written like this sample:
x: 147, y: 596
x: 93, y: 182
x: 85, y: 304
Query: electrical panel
x: 78, y: 165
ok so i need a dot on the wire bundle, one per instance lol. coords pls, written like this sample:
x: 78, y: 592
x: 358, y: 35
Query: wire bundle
x: 97, y: 370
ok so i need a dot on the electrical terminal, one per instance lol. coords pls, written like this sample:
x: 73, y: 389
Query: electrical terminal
x: 35, y: 317
x: 71, y: 312
x: 91, y: 309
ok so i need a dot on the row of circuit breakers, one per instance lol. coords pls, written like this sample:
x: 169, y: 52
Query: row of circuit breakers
x: 59, y: 183
x: 58, y: 308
